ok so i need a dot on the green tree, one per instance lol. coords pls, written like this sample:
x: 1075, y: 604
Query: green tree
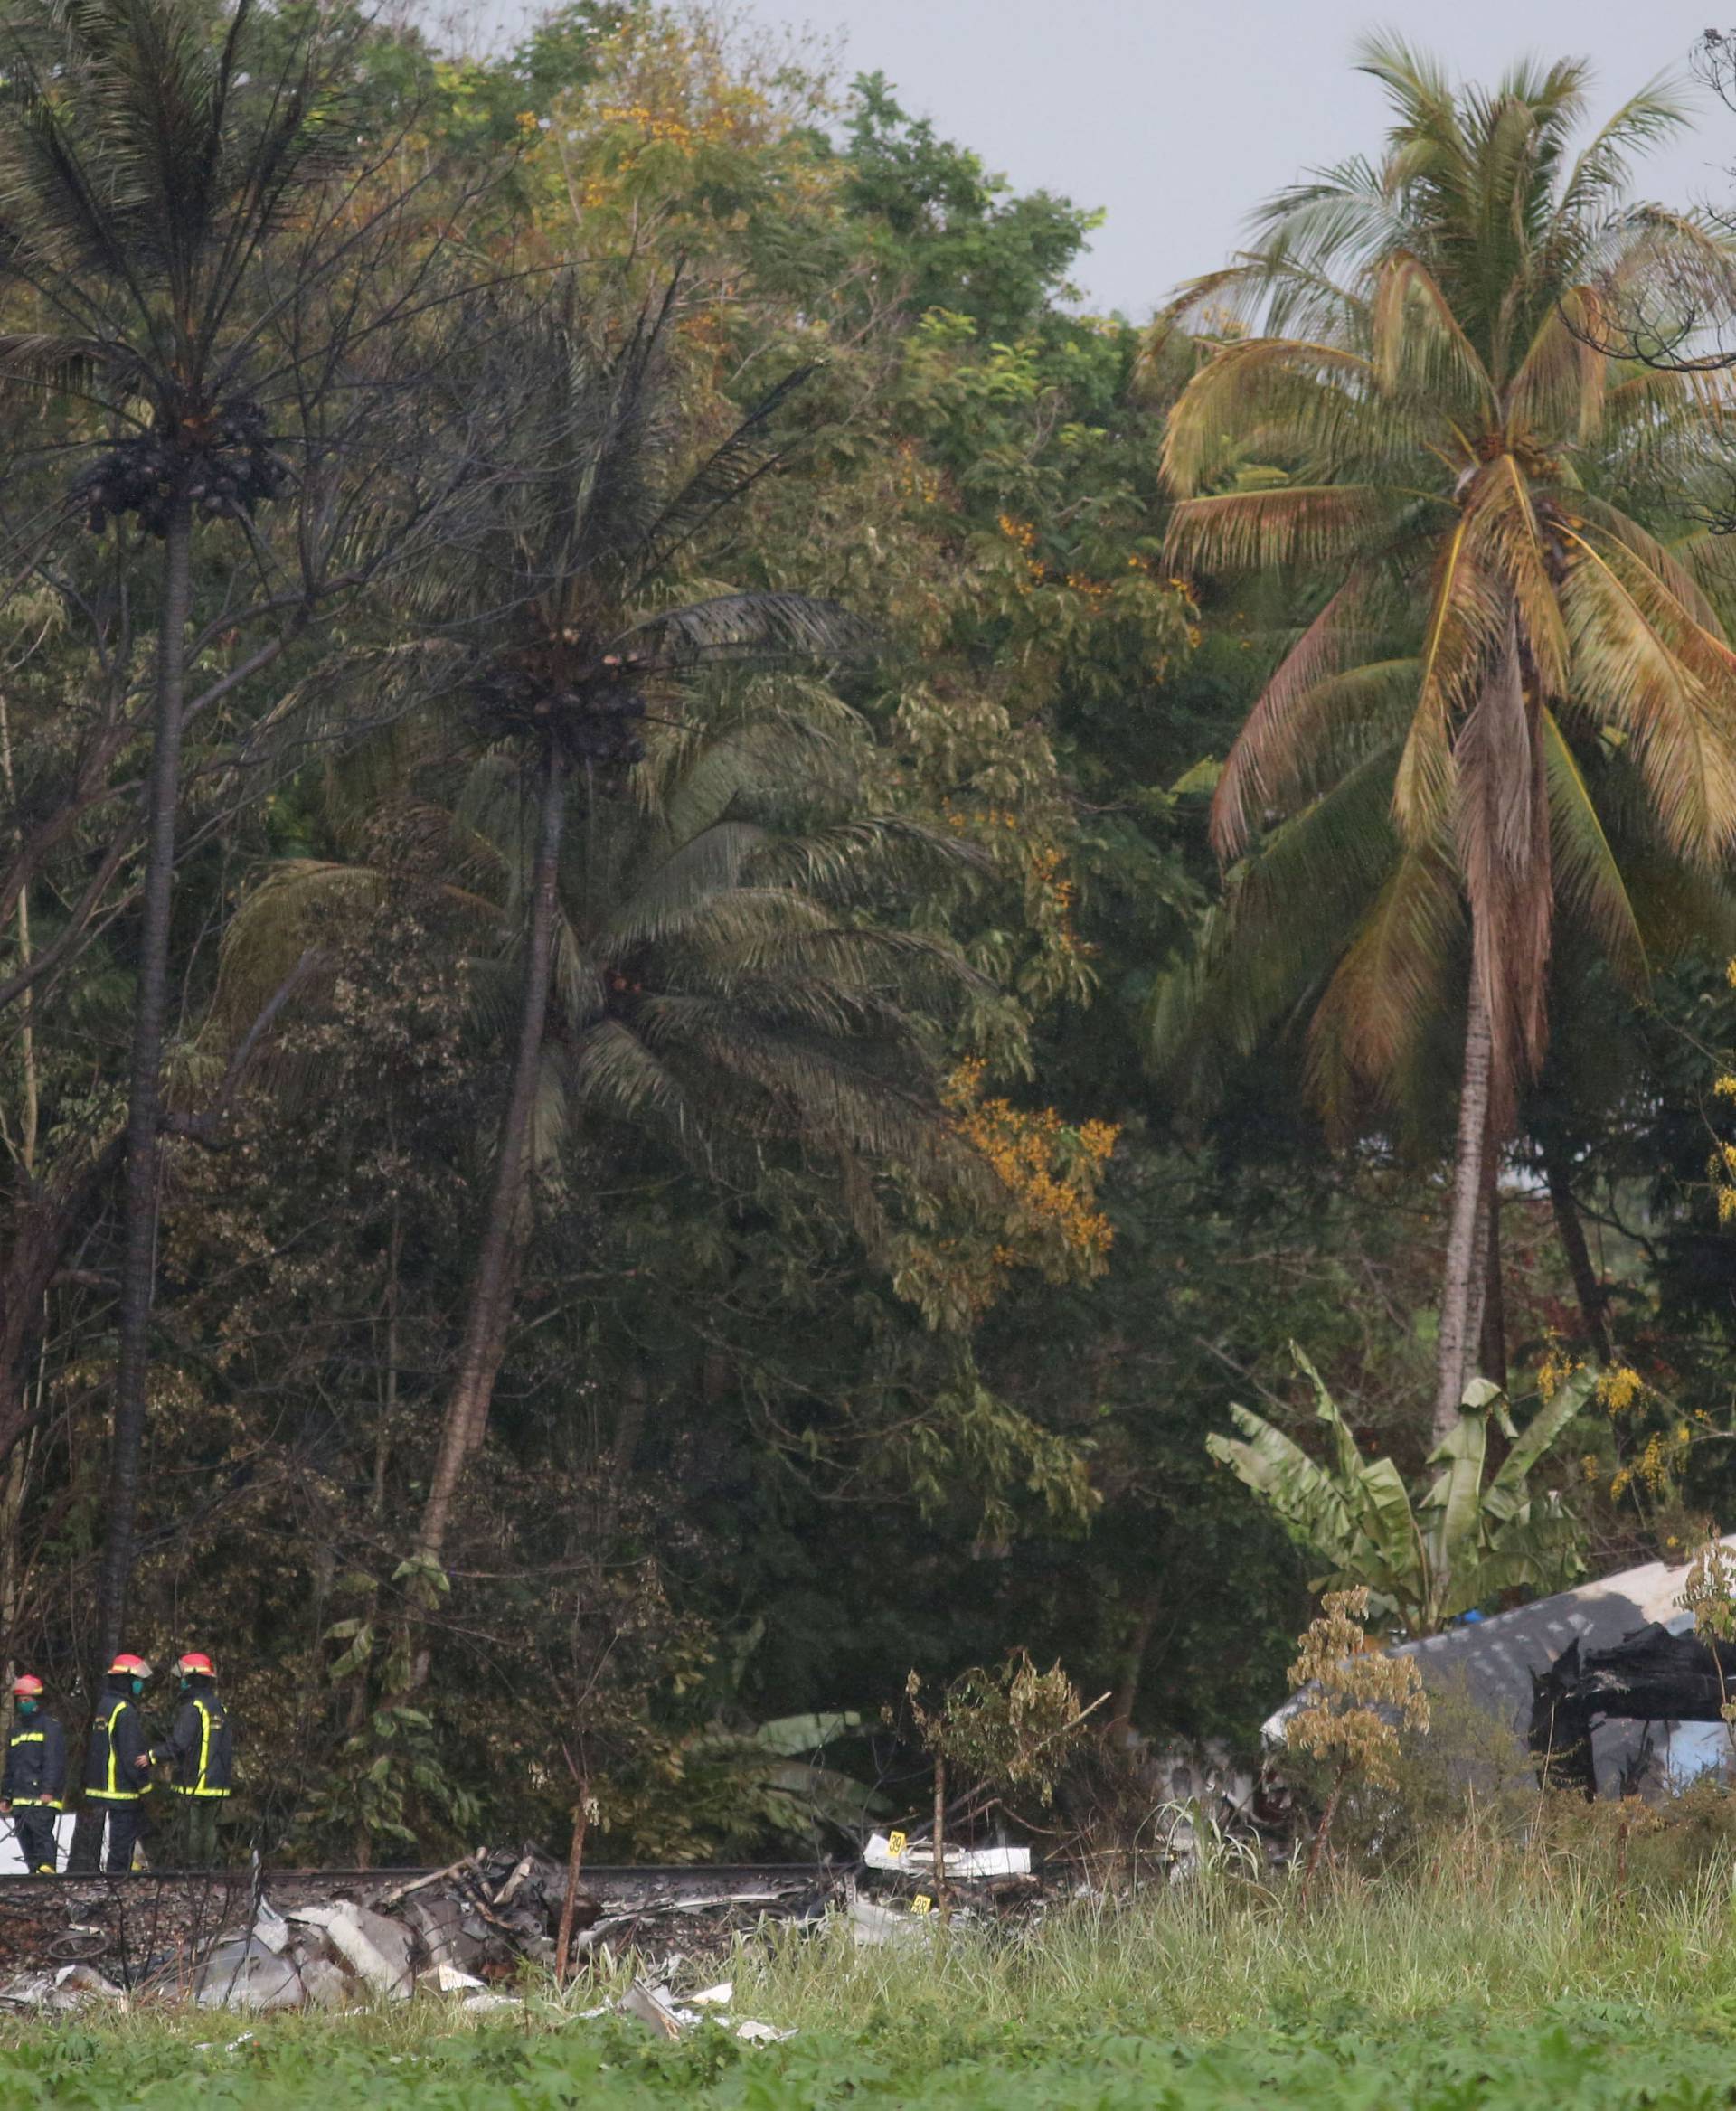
x: 1517, y: 703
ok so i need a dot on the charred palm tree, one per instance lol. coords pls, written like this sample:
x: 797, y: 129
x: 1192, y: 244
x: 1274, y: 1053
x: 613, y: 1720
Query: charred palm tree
x: 570, y: 599
x: 176, y: 187
x: 721, y: 975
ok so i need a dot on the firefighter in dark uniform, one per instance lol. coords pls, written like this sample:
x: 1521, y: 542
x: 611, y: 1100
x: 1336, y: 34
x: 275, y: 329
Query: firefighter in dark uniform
x: 35, y: 1777
x: 118, y: 1760
x: 202, y: 1749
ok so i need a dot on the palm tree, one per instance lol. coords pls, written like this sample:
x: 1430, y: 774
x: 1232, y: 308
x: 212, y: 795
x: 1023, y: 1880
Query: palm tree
x: 717, y: 977
x: 577, y: 652
x: 1516, y: 701
x: 171, y: 194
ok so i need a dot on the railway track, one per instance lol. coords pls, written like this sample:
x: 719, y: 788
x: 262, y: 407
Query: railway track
x: 696, y: 1881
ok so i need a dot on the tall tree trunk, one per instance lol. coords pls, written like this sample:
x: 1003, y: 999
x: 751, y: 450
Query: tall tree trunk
x: 495, y: 1279
x: 30, y: 1116
x: 1492, y: 1359
x: 144, y: 1113
x: 1587, y: 1287
x: 1126, y: 1698
x: 1462, y: 1280
x: 145, y: 1092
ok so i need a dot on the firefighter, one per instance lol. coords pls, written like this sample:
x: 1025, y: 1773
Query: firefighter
x: 35, y: 1776
x: 117, y: 1760
x: 202, y: 1747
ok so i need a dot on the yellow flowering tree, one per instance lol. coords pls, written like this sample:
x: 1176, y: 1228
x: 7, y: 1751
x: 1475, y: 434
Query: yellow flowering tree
x: 1037, y: 1207
x: 1357, y: 1698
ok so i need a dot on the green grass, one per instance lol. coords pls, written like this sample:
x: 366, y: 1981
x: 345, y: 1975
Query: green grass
x: 1482, y: 1978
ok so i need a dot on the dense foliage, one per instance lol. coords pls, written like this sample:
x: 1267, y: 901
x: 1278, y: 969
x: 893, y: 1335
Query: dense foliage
x: 587, y: 1136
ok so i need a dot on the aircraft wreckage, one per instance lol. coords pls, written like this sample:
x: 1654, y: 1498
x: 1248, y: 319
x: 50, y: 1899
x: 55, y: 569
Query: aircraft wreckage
x: 1606, y: 1686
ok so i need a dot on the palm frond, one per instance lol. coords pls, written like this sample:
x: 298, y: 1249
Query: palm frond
x: 1419, y: 344
x: 721, y: 481
x: 1589, y: 878
x: 1466, y: 616
x: 1645, y: 684
x: 1318, y: 389
x: 1501, y: 825
x: 761, y: 630
x: 1320, y: 526
x: 1396, y: 977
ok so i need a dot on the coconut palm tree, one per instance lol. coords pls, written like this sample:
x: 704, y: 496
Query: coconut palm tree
x: 1516, y: 703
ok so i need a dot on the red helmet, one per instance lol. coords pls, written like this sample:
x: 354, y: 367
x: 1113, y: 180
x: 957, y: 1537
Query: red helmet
x: 196, y: 1663
x: 27, y: 1686
x: 135, y: 1667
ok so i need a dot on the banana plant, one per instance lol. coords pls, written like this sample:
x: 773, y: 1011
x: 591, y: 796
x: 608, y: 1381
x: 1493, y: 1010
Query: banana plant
x: 1426, y: 1554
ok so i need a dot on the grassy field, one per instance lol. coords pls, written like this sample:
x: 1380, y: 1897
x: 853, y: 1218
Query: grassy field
x: 1472, y: 1982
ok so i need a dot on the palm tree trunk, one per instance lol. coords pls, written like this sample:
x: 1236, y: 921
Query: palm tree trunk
x: 495, y: 1279
x: 144, y: 1106
x: 30, y: 1117
x: 1587, y: 1289
x: 1492, y: 1358
x: 1462, y: 1280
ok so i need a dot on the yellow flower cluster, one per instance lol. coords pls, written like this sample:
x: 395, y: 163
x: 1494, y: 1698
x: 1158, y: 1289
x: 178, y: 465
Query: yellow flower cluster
x: 990, y: 818
x: 1653, y: 1465
x: 916, y: 480
x: 1047, y: 871
x: 1620, y: 1389
x: 1554, y: 1372
x: 1029, y: 1154
x: 659, y: 128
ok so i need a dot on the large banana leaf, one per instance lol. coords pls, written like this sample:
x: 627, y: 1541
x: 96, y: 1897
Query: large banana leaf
x: 1507, y: 1490
x: 1315, y: 1506
x: 1427, y: 1557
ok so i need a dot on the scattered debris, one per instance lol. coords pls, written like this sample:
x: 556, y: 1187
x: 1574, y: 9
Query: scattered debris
x: 73, y: 1986
x: 459, y: 1934
x: 874, y: 1926
x: 651, y: 2006
x: 656, y: 2008
x: 377, y: 1950
x: 962, y: 1862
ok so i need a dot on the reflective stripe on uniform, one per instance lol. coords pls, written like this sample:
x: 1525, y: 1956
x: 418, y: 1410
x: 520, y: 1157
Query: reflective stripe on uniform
x: 112, y: 1794
x: 199, y: 1786
x: 32, y: 1803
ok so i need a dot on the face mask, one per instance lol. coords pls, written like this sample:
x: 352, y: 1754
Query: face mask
x: 186, y: 1685
x: 26, y: 1708
x: 138, y: 1689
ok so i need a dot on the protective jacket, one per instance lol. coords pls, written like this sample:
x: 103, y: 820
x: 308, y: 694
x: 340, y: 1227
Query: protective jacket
x: 35, y: 1776
x: 201, y: 1744
x: 117, y: 1742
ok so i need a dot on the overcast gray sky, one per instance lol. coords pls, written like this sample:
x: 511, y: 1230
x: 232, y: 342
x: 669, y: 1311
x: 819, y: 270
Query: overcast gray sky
x: 1178, y: 118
